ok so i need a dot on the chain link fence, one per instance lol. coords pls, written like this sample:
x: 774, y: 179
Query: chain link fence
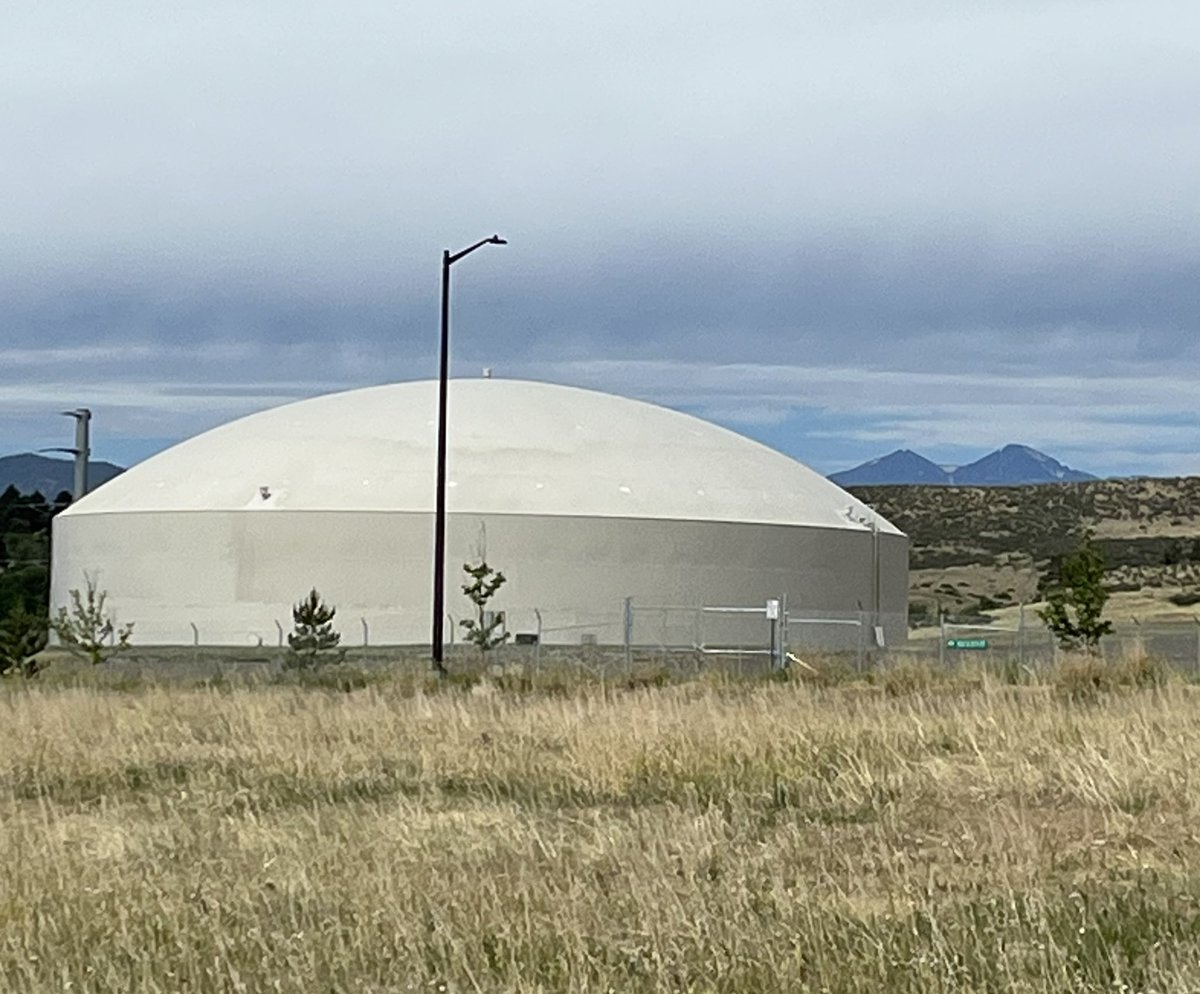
x: 1029, y: 643
x: 745, y: 637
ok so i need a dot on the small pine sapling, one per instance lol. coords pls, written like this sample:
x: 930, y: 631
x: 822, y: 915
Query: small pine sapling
x: 314, y: 638
x: 1075, y: 599
x: 87, y: 629
x: 486, y: 629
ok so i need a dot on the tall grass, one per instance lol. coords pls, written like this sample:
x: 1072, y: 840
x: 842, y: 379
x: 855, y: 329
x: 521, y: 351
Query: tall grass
x: 708, y: 836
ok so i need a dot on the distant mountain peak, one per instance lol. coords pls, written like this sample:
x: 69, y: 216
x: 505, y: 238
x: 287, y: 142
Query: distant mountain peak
x: 1017, y: 464
x: 901, y: 466
x: 1011, y: 465
x: 30, y: 472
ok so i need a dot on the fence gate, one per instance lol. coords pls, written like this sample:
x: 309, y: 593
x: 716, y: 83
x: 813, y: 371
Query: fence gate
x: 846, y: 633
x: 717, y: 630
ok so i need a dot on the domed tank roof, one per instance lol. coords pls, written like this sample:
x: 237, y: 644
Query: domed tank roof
x: 515, y: 447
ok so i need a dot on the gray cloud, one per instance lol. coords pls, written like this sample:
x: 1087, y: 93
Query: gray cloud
x: 319, y: 140
x: 898, y: 308
x: 227, y: 204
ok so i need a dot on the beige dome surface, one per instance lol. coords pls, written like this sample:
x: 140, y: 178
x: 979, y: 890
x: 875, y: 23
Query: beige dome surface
x: 515, y: 447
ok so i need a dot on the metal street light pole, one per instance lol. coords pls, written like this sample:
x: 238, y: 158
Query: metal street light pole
x: 82, y: 451
x: 439, y: 527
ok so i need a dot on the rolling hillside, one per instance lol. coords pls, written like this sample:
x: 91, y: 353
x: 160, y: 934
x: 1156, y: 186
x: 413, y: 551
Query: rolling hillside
x: 974, y: 548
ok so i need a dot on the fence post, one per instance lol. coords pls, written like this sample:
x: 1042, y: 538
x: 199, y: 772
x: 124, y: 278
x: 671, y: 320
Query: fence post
x: 783, y: 632
x: 662, y: 639
x: 859, y: 661
x: 628, y: 630
x: 942, y: 640
x: 1197, y: 619
x: 366, y: 633
x: 195, y: 633
x: 279, y: 630
x: 1021, y: 635
x: 774, y: 648
x: 537, y: 646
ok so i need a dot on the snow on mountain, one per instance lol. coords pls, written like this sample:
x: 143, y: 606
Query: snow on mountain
x: 1016, y: 464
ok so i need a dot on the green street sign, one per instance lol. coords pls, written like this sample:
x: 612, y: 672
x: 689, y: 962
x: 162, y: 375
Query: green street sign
x: 966, y: 643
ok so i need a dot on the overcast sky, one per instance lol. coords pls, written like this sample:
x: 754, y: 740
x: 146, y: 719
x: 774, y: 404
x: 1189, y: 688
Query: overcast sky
x: 841, y: 228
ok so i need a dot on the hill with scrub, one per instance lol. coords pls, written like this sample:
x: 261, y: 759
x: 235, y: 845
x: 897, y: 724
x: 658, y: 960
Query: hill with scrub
x: 974, y: 549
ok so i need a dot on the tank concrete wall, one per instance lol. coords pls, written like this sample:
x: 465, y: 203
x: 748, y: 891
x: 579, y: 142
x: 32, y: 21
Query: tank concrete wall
x: 235, y: 574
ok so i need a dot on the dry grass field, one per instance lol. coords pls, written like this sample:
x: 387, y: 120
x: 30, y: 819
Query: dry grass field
x: 913, y: 834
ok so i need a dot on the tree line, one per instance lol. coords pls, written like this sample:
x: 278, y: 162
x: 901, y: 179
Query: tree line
x: 25, y: 550
x: 25, y: 521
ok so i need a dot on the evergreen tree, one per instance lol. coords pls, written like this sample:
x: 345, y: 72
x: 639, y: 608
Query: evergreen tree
x: 314, y: 637
x: 1075, y: 599
x: 485, y: 632
x: 22, y: 637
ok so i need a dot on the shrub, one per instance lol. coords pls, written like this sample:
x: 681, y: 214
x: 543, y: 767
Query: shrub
x: 920, y: 613
x: 87, y: 629
x: 22, y: 637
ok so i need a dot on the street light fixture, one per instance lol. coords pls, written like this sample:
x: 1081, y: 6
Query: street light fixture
x: 439, y: 527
